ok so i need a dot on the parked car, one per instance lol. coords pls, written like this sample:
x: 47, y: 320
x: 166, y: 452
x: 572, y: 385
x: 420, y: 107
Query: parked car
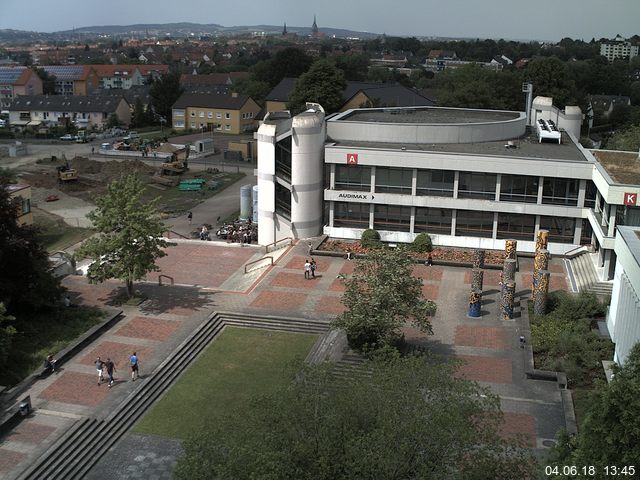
x: 131, y: 136
x: 67, y: 137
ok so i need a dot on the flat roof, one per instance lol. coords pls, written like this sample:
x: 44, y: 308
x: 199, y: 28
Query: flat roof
x: 428, y: 115
x: 523, y: 147
x: 622, y: 167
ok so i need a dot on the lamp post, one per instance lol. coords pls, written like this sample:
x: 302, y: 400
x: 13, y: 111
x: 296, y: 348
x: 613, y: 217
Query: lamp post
x: 162, y: 122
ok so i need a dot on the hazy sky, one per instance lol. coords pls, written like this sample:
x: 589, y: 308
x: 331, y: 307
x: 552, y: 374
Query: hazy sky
x: 509, y: 19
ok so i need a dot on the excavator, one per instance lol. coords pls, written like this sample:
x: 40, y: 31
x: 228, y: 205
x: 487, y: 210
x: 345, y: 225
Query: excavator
x: 176, y: 165
x: 66, y: 173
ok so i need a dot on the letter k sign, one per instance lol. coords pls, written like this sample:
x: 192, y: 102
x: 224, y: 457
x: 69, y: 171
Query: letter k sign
x: 630, y: 198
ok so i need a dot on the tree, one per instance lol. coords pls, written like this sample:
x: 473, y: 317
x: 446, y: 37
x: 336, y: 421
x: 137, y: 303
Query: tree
x: 323, y: 84
x: 409, y: 418
x: 26, y: 282
x: 48, y: 81
x: 290, y: 62
x: 355, y: 66
x: 627, y: 140
x: 139, y: 113
x: 551, y: 78
x: 164, y: 93
x: 422, y: 243
x: 381, y: 296
x: 610, y: 433
x: 370, y: 238
x: 113, y: 120
x: 6, y: 332
x: 130, y: 234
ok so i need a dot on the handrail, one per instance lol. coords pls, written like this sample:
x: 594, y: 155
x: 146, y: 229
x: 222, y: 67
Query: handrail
x: 166, y: 276
x: 259, y: 260
x: 273, y: 244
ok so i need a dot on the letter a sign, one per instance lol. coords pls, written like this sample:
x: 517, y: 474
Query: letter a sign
x: 352, y: 158
x: 630, y: 198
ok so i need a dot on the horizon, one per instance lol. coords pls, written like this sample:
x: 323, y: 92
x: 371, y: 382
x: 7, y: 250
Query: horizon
x: 493, y: 19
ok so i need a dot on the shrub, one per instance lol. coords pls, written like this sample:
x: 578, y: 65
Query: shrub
x: 422, y: 243
x: 370, y: 239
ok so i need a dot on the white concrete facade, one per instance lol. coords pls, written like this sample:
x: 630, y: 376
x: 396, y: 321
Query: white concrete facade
x: 623, y: 320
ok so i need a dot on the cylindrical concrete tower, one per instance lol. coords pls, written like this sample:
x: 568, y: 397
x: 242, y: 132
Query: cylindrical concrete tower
x: 254, y: 204
x: 245, y: 202
x: 307, y: 176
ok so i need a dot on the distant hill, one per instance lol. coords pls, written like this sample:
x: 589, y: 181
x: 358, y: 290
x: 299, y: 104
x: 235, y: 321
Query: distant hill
x: 180, y: 30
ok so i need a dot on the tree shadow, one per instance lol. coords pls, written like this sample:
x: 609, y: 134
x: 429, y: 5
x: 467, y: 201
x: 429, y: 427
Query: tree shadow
x: 158, y: 300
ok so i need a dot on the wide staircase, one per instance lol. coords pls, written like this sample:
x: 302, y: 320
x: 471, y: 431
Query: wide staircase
x: 73, y: 455
x: 585, y: 276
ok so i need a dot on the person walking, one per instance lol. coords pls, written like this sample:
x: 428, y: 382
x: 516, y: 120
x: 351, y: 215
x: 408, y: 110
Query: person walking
x: 111, y: 368
x: 100, y: 368
x: 312, y: 267
x: 307, y: 269
x: 190, y: 217
x: 133, y: 361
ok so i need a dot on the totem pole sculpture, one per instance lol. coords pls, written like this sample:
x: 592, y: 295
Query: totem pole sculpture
x: 477, y: 280
x: 508, y: 286
x: 540, y: 283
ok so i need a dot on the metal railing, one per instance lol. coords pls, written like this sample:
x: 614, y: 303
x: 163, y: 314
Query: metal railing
x: 275, y: 244
x: 165, y: 276
x: 270, y: 258
x: 169, y: 232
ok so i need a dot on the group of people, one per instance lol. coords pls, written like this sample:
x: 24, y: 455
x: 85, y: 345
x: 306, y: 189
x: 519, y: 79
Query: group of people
x: 110, y: 368
x: 310, y: 268
x: 238, y: 232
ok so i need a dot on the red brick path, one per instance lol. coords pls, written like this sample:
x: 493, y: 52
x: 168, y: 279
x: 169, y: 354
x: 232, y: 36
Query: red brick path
x: 519, y: 425
x: 9, y: 459
x: 119, y: 354
x: 30, y: 432
x: 77, y: 388
x: 484, y: 337
x: 149, y: 328
x: 330, y: 305
x: 279, y: 300
x: 485, y: 369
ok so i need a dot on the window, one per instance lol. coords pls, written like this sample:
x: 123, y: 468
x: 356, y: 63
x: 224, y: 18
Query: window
x: 218, y: 115
x: 437, y: 183
x: 201, y: 114
x: 283, y: 201
x: 560, y: 191
x: 351, y: 215
x: 227, y: 127
x: 392, y: 217
x: 628, y: 215
x: 587, y: 232
x: 560, y: 228
x: 477, y: 185
x: 227, y: 115
x: 283, y: 159
x: 24, y: 206
x: 393, y: 180
x: 590, y: 194
x: 519, y: 188
x: 519, y: 227
x: 433, y: 220
x: 250, y: 114
x: 474, y: 224
x: 193, y: 124
x: 193, y: 114
x: 244, y: 116
x: 353, y: 177
x: 178, y: 124
x: 209, y: 114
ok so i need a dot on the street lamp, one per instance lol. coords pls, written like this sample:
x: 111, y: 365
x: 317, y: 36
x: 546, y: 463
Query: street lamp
x: 162, y: 122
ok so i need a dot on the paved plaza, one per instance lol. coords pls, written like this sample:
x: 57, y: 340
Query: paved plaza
x: 208, y: 277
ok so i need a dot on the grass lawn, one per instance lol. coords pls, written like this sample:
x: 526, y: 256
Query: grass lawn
x: 55, y: 234
x: 45, y: 332
x: 237, y: 366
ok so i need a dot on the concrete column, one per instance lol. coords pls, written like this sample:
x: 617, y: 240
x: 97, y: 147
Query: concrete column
x: 373, y: 180
x: 494, y: 231
x: 498, y: 183
x: 477, y: 279
x: 371, y: 214
x: 540, y: 190
x: 332, y: 176
x: 414, y: 182
x: 453, y: 222
x: 582, y: 190
x: 612, y: 220
x: 607, y: 262
x: 456, y: 180
x: 510, y: 248
x: 577, y: 232
x: 508, y: 294
x: 478, y: 258
x: 509, y: 271
x: 412, y: 221
x: 331, y: 212
x: 541, y: 292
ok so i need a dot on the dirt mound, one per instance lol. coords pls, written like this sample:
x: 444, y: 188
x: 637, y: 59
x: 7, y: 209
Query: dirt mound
x: 109, y: 171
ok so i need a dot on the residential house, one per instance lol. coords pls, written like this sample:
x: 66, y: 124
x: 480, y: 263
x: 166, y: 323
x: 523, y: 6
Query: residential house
x: 91, y: 112
x: 127, y: 76
x: 21, y: 194
x: 223, y: 113
x: 603, y: 105
x: 16, y: 81
x: 73, y: 79
x: 500, y: 61
x: 391, y: 61
x: 196, y: 80
x: 276, y: 100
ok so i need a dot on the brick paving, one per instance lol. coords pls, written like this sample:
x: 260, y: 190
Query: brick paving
x: 556, y: 282
x: 483, y: 337
x: 293, y: 280
x: 9, y: 459
x: 519, y: 426
x: 119, y: 354
x: 76, y: 388
x: 280, y: 301
x: 150, y: 328
x: 30, y: 432
x: 428, y: 273
x: 330, y: 304
x: 297, y: 263
x: 489, y: 278
x: 485, y: 369
x: 430, y: 291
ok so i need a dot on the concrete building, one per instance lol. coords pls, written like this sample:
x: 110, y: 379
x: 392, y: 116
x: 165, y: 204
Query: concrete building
x: 469, y: 178
x: 21, y: 194
x: 623, y: 320
x: 618, y: 48
x: 232, y: 114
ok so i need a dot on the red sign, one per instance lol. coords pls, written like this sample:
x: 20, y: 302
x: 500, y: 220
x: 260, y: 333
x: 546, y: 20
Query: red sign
x: 630, y: 198
x: 352, y: 158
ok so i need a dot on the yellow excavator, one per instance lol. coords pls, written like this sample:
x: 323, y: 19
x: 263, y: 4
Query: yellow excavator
x: 66, y: 173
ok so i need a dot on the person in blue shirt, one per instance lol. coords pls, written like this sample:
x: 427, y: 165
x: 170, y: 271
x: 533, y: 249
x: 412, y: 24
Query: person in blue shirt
x: 133, y: 360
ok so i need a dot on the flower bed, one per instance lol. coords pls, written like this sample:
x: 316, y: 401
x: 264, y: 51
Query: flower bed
x: 444, y: 254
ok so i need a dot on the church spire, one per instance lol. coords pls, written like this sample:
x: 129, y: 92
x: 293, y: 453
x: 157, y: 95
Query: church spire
x: 314, y: 27
x: 284, y: 30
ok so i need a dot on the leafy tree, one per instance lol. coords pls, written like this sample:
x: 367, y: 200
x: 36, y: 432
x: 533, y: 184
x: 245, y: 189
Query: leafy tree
x: 26, y: 283
x: 6, y: 332
x: 113, y: 120
x: 551, y: 78
x: 323, y: 83
x: 48, y: 81
x: 408, y: 419
x: 130, y: 234
x: 627, y: 140
x: 610, y: 433
x: 255, y: 89
x: 164, y: 93
x: 355, y: 67
x: 139, y: 113
x: 290, y: 62
x: 381, y: 296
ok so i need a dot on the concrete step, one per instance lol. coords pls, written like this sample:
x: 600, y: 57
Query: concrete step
x: 583, y: 271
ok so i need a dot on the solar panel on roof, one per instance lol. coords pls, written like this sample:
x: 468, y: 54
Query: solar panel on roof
x: 10, y: 74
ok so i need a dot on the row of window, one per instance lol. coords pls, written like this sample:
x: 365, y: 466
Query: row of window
x: 227, y: 115
x: 440, y: 183
x: 468, y: 223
